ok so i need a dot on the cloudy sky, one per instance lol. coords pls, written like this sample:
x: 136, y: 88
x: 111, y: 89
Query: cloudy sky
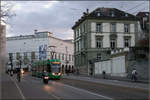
x: 59, y: 16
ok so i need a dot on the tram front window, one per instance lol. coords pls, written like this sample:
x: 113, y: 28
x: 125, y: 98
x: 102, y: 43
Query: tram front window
x: 55, y: 68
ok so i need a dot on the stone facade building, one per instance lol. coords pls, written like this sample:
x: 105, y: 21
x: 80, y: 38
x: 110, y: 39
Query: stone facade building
x: 40, y: 46
x: 100, y: 32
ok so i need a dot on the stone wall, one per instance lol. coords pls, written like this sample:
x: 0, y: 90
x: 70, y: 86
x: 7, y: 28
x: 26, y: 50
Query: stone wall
x: 83, y: 70
x: 140, y: 62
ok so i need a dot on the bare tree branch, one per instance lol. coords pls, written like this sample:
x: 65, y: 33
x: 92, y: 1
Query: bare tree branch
x: 6, y: 12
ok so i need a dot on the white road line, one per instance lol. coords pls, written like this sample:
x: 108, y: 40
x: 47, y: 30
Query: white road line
x: 54, y: 96
x: 87, y: 91
x: 18, y: 89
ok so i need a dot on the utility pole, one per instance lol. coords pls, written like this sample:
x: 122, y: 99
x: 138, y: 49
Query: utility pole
x: 52, y: 48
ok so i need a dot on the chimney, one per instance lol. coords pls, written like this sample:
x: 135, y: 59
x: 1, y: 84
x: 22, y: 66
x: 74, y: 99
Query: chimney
x: 87, y: 11
x: 84, y: 13
x: 35, y: 31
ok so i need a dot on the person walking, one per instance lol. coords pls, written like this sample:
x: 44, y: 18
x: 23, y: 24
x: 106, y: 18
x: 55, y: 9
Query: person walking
x: 104, y: 74
x: 134, y: 75
x: 18, y: 75
x: 11, y: 72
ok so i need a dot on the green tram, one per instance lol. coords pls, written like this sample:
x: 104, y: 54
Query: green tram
x: 52, y: 66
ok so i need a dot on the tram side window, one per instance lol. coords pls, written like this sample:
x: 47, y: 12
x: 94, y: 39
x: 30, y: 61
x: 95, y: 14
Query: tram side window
x: 49, y: 68
x: 59, y: 70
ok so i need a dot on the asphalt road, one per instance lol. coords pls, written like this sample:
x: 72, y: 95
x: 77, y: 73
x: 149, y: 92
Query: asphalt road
x: 112, y: 91
x: 33, y: 88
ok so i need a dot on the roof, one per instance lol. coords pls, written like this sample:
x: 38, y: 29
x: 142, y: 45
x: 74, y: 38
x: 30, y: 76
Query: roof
x: 106, y: 14
x: 69, y: 40
x: 34, y: 36
x: 143, y: 14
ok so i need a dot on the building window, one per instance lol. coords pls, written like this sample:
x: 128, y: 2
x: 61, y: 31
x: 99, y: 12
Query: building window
x: 126, y: 14
x: 72, y: 57
x: 98, y: 14
x: 112, y: 14
x: 79, y: 32
x: 66, y: 56
x: 113, y: 43
x: 59, y: 56
x: 76, y: 46
x: 127, y: 42
x: 113, y: 27
x: 69, y: 57
x: 17, y: 55
x: 25, y: 58
x: 55, y: 56
x: 99, y: 42
x: 84, y: 28
x: 126, y: 27
x: 75, y: 34
x: 99, y: 57
x: 99, y: 27
x: 62, y: 56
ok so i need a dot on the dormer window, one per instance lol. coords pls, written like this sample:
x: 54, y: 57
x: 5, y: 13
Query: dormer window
x: 112, y: 14
x: 98, y: 14
x: 146, y: 14
x: 126, y: 15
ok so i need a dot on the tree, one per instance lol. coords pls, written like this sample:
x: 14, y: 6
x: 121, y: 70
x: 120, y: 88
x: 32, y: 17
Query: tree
x: 6, y: 11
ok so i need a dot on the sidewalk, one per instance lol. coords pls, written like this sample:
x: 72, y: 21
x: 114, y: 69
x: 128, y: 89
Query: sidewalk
x: 137, y: 85
x: 9, y: 89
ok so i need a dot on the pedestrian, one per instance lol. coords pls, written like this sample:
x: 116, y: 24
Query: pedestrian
x: 134, y: 75
x: 18, y: 75
x: 104, y: 74
x: 11, y: 72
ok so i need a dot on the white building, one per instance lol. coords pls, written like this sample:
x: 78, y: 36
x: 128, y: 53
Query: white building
x: 41, y: 45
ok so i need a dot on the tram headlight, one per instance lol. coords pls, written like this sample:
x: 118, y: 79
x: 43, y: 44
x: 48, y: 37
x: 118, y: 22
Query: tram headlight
x: 53, y: 73
x: 22, y: 71
x: 46, y: 77
x: 59, y: 73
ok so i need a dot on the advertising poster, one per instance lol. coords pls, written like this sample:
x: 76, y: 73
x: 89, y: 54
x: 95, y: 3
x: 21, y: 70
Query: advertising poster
x: 42, y: 51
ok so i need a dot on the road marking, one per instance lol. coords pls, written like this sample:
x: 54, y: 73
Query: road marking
x: 80, y: 90
x: 18, y: 89
x: 87, y: 91
x: 58, y: 98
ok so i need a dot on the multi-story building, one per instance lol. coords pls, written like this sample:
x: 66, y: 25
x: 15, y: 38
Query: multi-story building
x: 97, y: 33
x: 41, y: 45
x: 144, y: 20
x: 143, y: 34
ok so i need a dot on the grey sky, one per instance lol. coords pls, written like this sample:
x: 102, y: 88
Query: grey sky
x: 59, y: 16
